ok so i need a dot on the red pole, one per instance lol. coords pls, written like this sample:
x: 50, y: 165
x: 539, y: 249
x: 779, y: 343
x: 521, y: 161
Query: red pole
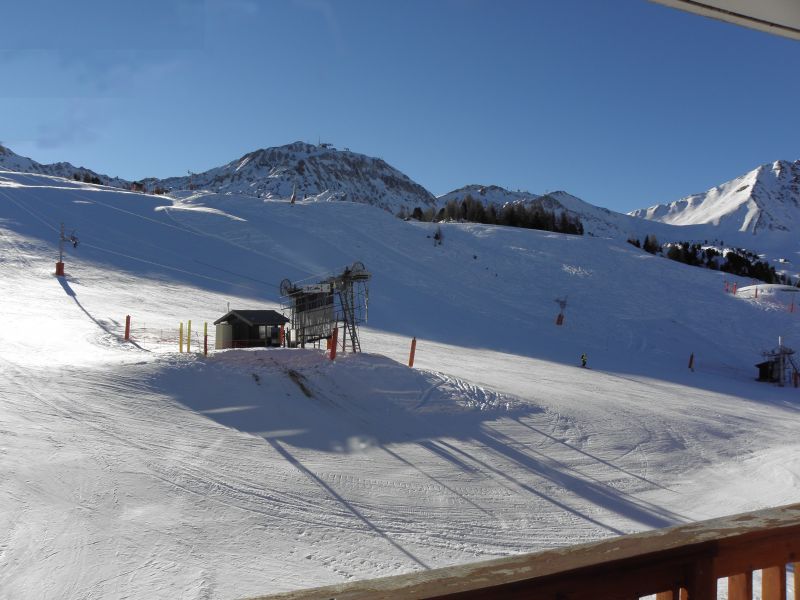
x: 334, y: 342
x: 127, y: 327
x: 283, y: 335
x: 734, y: 288
x: 413, y: 351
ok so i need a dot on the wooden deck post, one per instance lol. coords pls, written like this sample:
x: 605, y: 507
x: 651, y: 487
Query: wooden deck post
x: 773, y: 583
x: 740, y: 587
x: 702, y: 584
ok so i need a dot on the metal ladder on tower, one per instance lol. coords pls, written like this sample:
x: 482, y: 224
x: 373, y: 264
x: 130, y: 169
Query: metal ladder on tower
x: 794, y: 364
x: 349, y: 319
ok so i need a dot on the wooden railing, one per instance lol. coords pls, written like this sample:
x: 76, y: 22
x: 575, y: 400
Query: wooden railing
x: 683, y: 562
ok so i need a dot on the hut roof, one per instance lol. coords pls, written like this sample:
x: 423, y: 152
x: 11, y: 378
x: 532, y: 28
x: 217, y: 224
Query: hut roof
x: 254, y: 317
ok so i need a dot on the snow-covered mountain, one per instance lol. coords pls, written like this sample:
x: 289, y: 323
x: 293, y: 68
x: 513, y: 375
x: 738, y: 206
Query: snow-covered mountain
x: 764, y: 201
x: 488, y: 194
x: 315, y: 172
x: 14, y: 162
x: 596, y: 220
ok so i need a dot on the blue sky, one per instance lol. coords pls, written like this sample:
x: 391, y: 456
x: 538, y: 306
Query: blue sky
x: 624, y: 103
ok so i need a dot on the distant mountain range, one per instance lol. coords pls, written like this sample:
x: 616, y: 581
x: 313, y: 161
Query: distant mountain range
x: 760, y: 209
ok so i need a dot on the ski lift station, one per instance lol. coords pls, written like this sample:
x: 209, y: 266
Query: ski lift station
x: 249, y: 329
x: 318, y: 308
x: 779, y: 366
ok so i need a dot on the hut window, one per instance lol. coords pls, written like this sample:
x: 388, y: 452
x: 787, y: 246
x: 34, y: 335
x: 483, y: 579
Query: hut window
x: 262, y: 332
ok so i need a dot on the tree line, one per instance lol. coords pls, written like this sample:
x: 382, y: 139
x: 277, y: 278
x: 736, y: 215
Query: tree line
x: 87, y: 178
x: 528, y: 216
x: 736, y: 261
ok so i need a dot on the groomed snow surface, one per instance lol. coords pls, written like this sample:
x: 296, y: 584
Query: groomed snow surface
x: 132, y: 471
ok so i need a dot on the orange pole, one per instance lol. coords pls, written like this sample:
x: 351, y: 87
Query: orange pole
x: 127, y: 327
x: 413, y: 351
x: 283, y: 335
x: 334, y: 342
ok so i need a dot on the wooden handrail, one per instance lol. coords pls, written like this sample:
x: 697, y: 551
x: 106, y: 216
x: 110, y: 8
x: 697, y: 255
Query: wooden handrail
x: 679, y: 562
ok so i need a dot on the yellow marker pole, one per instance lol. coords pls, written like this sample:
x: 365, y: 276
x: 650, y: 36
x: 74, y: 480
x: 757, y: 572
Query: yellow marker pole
x: 180, y: 338
x: 189, y: 336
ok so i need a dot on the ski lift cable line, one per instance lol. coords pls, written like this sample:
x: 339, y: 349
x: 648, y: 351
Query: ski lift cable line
x: 100, y: 248
x: 272, y: 257
x: 163, y: 266
x: 96, y: 247
x: 30, y: 212
x: 133, y: 214
x: 181, y: 227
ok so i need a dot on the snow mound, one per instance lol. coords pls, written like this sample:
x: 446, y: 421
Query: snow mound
x: 358, y: 400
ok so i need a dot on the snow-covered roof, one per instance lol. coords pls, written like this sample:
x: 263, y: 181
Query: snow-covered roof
x: 254, y: 317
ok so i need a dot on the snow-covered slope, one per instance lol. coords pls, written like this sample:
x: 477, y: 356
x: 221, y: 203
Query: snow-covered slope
x: 762, y: 202
x: 14, y: 162
x: 315, y: 172
x: 132, y: 471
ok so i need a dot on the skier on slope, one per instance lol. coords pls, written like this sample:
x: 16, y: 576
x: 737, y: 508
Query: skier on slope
x: 583, y: 360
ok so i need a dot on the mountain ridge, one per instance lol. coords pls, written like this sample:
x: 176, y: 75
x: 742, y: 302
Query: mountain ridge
x: 763, y: 200
x: 12, y: 161
x: 318, y: 172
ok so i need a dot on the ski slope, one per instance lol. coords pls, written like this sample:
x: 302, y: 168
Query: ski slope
x: 130, y: 470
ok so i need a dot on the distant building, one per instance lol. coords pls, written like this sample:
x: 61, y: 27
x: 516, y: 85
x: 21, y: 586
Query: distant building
x: 249, y: 329
x: 769, y: 370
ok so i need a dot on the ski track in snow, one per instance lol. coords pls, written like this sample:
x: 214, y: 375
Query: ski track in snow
x: 138, y: 472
